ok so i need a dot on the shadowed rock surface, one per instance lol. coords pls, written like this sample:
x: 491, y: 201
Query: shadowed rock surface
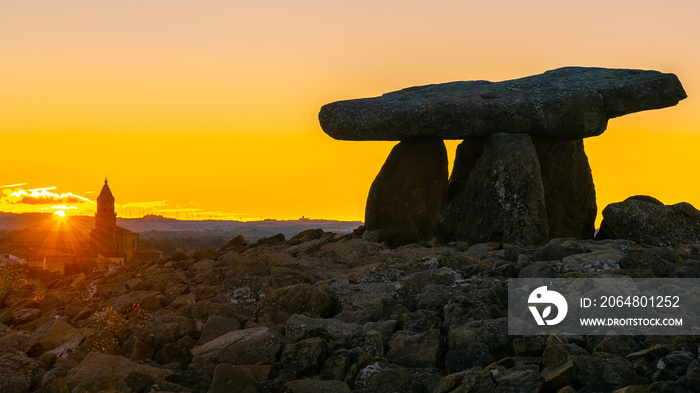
x: 569, y: 192
x: 408, y: 194
x: 415, y: 318
x: 565, y: 103
x: 646, y: 220
x: 503, y: 199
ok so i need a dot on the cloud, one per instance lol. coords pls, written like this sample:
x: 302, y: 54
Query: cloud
x: 13, y: 185
x: 63, y: 207
x: 44, y: 196
x: 50, y: 200
x: 16, y: 199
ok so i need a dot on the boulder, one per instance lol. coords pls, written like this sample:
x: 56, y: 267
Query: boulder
x: 370, y: 342
x: 240, y: 347
x: 691, y: 379
x: 394, y: 380
x: 142, y: 351
x: 24, y: 315
x: 148, y: 300
x: 598, y: 374
x: 310, y: 386
x: 23, y: 342
x: 238, y: 243
x: 433, y: 297
x: 178, y: 351
x: 416, y: 282
x: 557, y: 251
x: 164, y: 329
x: 646, y: 220
x: 101, y: 371
x: 649, y: 354
x: 304, y: 357
x: 592, y: 262
x: 677, y: 362
x: 272, y: 240
x: 556, y: 355
x: 335, y: 367
x: 503, y: 200
x: 475, y: 379
x: 423, y: 350
x: 563, y: 375
x: 407, y: 195
x: 299, y: 298
x: 565, y: 103
x: 519, y: 381
x: 492, y: 332
x: 201, y: 255
x: 420, y: 321
x: 58, y: 372
x: 528, y: 346
x: 17, y: 371
x: 228, y: 378
x: 59, y: 333
x: 475, y: 354
x: 306, y: 235
x: 617, y: 345
x: 57, y: 386
x: 569, y: 191
x: 217, y: 326
x: 300, y: 327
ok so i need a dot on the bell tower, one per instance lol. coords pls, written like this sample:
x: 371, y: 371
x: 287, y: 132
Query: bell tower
x: 105, y: 218
x: 103, y: 236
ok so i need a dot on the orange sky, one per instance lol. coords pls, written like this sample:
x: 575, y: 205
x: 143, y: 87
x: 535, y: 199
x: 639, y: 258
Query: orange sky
x: 211, y: 107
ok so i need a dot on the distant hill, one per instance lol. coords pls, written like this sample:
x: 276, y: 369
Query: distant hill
x: 11, y: 221
x: 278, y: 226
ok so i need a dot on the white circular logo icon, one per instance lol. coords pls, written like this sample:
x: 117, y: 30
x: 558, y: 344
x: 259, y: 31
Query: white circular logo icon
x: 542, y: 296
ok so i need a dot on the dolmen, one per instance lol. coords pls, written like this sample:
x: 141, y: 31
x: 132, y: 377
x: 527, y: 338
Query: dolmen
x: 520, y: 176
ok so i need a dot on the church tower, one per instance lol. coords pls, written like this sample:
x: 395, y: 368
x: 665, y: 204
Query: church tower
x: 105, y: 218
x: 109, y: 242
x: 103, y: 235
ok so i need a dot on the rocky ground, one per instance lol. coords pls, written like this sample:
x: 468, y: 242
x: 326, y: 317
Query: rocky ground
x: 323, y: 312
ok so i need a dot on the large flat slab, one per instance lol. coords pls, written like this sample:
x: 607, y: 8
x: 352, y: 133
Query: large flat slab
x: 566, y: 103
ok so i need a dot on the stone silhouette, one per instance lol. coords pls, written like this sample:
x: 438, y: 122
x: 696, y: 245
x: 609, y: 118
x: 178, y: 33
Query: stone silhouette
x: 646, y: 220
x: 406, y: 198
x: 544, y: 174
x: 566, y: 103
x: 496, y: 201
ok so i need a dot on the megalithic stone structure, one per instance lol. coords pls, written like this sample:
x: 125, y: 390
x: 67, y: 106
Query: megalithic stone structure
x: 522, y: 137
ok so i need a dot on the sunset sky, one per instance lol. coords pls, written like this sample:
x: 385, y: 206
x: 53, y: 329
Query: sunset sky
x: 201, y: 109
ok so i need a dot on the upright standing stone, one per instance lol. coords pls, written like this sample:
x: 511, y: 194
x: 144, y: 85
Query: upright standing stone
x: 504, y: 197
x: 406, y: 198
x: 569, y: 191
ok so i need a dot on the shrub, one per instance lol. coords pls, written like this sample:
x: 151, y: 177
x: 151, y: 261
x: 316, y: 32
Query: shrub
x: 13, y: 277
x: 114, y: 328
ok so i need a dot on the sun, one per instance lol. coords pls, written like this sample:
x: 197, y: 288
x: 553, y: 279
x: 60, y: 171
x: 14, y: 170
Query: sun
x: 60, y: 213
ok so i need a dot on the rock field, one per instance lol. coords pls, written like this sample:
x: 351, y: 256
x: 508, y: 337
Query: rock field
x: 323, y: 312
